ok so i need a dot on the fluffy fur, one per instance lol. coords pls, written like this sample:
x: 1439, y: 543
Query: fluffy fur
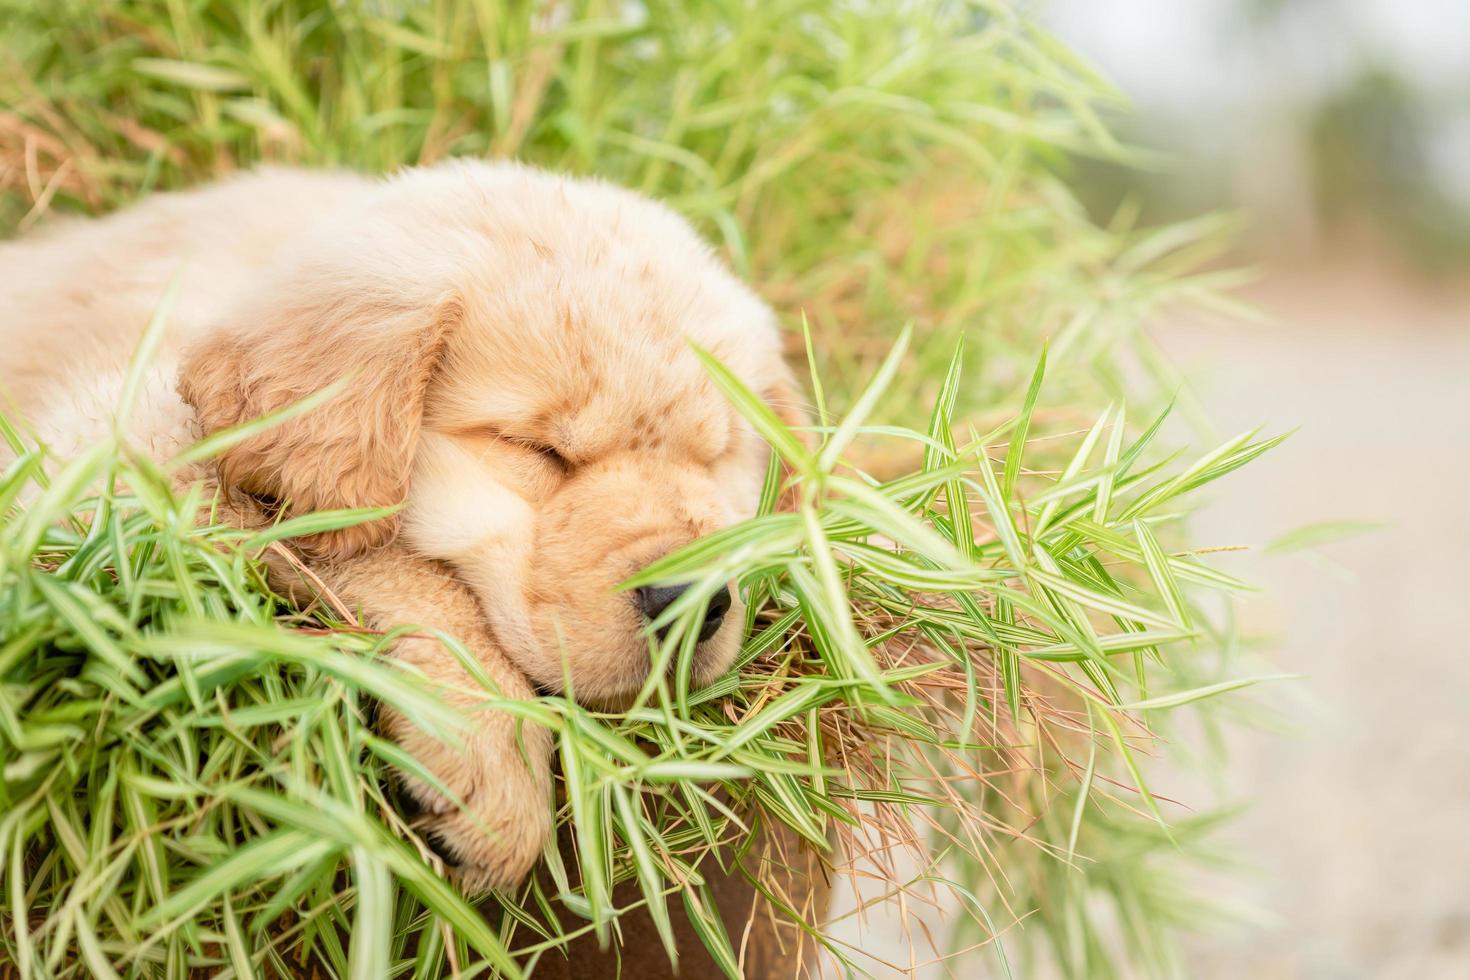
x: 513, y: 355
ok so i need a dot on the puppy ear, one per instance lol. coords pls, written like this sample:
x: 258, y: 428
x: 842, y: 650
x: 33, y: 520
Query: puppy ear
x: 357, y: 448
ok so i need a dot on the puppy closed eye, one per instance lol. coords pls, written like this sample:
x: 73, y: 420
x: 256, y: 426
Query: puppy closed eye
x: 524, y: 444
x: 547, y: 453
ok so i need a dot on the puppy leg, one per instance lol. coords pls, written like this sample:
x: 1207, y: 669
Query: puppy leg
x: 502, y: 772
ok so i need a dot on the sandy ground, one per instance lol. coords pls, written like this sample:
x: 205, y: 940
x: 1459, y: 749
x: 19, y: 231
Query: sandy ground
x: 1360, y: 835
x: 1357, y: 845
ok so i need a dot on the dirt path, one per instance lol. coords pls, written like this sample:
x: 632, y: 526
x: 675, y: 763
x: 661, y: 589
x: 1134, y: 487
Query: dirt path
x: 1361, y: 829
x: 1358, y: 843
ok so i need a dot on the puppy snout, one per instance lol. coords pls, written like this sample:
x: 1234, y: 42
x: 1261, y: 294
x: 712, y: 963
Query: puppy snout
x: 654, y: 599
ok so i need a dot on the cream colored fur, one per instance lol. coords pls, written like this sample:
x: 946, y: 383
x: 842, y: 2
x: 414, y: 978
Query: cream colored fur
x: 514, y: 351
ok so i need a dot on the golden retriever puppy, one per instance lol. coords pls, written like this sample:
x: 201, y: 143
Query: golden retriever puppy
x: 513, y: 351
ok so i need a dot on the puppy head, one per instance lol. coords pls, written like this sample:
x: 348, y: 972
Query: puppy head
x: 515, y: 363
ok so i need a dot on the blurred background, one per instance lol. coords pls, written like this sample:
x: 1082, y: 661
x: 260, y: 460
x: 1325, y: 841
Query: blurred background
x: 1339, y: 131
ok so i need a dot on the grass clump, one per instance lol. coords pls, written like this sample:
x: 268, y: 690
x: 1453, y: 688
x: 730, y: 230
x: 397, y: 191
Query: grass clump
x: 963, y: 639
x: 191, y: 781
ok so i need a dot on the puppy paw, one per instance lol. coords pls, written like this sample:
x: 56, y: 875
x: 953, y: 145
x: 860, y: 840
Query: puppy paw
x: 494, y: 838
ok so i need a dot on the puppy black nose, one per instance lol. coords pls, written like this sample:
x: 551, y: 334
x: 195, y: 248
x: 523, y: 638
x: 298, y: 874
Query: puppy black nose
x: 654, y: 599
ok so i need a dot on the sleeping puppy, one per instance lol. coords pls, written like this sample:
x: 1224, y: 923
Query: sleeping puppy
x: 515, y: 369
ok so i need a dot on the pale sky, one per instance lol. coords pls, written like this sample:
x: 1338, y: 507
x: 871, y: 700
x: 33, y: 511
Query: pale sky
x: 1218, y: 79
x: 1173, y: 53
